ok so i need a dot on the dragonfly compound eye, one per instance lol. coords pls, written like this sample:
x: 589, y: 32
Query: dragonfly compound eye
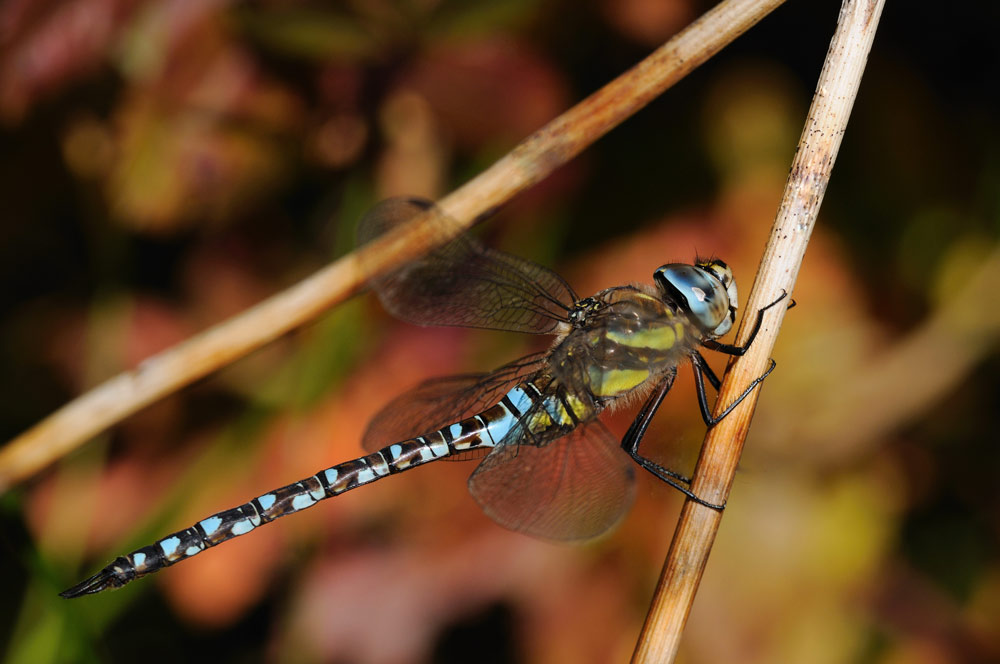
x: 701, y: 292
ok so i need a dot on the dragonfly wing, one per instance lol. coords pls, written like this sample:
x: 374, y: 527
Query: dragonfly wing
x: 463, y: 283
x: 573, y: 488
x: 440, y: 402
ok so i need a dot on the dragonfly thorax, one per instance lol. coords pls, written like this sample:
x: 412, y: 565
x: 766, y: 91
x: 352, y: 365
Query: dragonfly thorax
x: 582, y: 310
x: 705, y: 291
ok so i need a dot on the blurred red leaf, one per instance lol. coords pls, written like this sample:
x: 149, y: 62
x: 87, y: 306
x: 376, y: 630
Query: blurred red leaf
x: 490, y: 92
x: 51, y: 43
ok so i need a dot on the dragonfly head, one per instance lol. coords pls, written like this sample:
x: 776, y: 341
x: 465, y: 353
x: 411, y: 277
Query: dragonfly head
x: 706, y: 291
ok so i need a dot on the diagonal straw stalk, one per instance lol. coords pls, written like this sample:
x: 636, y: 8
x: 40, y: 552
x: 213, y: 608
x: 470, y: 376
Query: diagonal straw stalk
x: 531, y: 161
x: 807, y: 181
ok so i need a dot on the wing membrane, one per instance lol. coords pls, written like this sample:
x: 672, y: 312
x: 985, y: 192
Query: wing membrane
x: 465, y: 284
x: 440, y: 402
x: 573, y: 488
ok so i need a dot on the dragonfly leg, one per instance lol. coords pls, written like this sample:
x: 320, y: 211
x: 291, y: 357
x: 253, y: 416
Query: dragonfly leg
x: 636, y: 432
x: 630, y: 443
x: 706, y: 370
x: 668, y: 476
x: 702, y: 370
x: 732, y: 349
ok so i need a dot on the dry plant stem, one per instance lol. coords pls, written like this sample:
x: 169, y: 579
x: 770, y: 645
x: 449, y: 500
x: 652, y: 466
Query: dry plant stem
x: 807, y: 181
x: 529, y: 162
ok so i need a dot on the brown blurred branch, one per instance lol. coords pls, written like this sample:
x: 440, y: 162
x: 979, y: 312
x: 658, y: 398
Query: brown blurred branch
x: 807, y: 181
x: 526, y: 164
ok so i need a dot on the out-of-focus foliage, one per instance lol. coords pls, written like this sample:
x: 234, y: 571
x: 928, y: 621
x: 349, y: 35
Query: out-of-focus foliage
x: 168, y: 163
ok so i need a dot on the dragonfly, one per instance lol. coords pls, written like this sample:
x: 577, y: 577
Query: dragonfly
x: 548, y: 466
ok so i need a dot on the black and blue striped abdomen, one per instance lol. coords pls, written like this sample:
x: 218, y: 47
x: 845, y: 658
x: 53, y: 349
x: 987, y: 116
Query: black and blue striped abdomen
x: 485, y: 430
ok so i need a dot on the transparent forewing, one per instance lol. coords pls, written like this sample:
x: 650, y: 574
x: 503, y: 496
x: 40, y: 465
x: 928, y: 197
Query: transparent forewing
x: 572, y: 488
x: 464, y: 283
x: 440, y: 402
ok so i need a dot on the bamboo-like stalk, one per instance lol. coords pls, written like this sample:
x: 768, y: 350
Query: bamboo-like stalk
x: 531, y: 161
x: 800, y: 203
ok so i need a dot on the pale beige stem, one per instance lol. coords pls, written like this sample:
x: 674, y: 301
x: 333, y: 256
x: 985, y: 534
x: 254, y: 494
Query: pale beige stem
x: 807, y: 181
x: 526, y: 164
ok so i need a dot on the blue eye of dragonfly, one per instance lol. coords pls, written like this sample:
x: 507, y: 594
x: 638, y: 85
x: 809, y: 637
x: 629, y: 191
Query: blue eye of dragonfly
x: 548, y: 466
x: 706, y: 292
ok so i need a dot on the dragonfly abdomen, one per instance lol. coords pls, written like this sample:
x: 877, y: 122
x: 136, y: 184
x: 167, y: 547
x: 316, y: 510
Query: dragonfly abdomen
x: 484, y: 430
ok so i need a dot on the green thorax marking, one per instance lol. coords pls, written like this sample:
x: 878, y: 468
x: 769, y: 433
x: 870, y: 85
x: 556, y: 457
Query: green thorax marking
x: 635, y: 344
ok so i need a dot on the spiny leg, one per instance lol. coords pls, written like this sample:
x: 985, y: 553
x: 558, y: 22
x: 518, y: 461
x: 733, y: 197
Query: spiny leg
x: 637, y: 430
x: 732, y: 349
x: 702, y: 370
x: 707, y: 370
x: 630, y: 443
x: 635, y: 433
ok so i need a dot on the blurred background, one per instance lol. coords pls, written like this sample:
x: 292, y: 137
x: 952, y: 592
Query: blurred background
x: 168, y: 163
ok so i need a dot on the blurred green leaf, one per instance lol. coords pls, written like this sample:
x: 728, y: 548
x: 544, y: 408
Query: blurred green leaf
x: 466, y: 20
x: 309, y: 34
